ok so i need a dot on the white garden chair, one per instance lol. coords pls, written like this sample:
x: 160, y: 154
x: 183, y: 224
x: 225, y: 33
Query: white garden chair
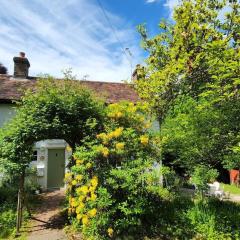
x: 215, y: 191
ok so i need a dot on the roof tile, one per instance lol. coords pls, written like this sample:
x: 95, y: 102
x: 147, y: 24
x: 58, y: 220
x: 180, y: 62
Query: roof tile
x: 12, y: 89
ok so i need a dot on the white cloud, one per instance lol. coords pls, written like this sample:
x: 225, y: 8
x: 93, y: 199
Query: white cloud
x: 151, y: 1
x: 61, y: 34
x: 171, y: 4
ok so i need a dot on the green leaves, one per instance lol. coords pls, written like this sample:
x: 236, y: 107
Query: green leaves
x: 191, y: 81
x: 55, y: 109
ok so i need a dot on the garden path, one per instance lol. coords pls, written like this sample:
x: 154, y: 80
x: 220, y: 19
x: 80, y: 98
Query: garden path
x: 48, y: 223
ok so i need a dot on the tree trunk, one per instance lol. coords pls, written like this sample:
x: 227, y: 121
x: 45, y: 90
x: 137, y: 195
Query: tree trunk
x: 160, y: 155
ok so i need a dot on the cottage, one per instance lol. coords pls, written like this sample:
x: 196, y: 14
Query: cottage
x: 50, y: 155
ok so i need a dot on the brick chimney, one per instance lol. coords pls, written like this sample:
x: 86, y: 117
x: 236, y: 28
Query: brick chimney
x: 138, y: 73
x: 21, y: 66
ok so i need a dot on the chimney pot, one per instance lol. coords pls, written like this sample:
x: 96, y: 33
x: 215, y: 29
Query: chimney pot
x: 21, y: 66
x: 22, y: 54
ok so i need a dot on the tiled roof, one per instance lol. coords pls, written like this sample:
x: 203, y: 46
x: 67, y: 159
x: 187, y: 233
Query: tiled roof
x: 12, y: 89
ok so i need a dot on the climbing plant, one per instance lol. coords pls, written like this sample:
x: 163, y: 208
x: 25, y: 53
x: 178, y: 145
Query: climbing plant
x: 62, y: 109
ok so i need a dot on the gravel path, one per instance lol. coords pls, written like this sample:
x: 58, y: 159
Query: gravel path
x: 47, y: 223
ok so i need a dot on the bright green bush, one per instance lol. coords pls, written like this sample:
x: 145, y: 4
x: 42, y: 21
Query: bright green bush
x: 203, y: 175
x: 7, y: 219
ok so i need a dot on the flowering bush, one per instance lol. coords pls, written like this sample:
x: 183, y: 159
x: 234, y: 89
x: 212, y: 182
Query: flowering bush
x: 109, y: 188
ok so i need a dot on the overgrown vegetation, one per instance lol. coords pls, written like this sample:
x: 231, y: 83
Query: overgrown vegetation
x: 54, y: 109
x: 191, y: 82
x: 115, y: 188
x: 112, y: 186
x: 8, y: 202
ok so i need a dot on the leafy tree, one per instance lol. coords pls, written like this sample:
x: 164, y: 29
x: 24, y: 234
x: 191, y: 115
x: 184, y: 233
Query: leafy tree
x: 191, y: 80
x: 53, y: 109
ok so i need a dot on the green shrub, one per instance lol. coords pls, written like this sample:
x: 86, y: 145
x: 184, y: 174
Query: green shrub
x: 113, y: 187
x: 214, y: 219
x: 201, y: 176
x: 7, y: 219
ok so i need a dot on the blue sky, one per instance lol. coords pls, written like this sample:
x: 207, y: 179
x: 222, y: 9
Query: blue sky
x: 57, y: 34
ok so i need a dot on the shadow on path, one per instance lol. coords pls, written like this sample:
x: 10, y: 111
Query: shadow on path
x: 47, y: 222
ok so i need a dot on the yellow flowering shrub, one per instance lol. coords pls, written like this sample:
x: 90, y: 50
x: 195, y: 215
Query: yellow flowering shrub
x: 109, y: 173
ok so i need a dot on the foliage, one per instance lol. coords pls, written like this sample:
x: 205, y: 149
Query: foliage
x: 214, y: 219
x: 198, y: 135
x: 201, y: 176
x: 7, y: 219
x: 191, y: 83
x: 112, y: 186
x: 8, y: 199
x: 54, y: 109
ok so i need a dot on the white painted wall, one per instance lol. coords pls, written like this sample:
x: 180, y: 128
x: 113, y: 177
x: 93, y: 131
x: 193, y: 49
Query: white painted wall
x: 7, y: 111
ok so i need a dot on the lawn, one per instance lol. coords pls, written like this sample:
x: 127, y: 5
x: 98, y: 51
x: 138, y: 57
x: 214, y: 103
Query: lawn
x: 233, y: 189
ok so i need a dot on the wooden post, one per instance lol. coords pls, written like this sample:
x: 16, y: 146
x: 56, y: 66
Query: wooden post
x: 19, y: 204
x: 18, y: 213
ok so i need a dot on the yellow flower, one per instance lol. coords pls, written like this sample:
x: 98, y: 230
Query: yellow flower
x: 68, y: 174
x: 101, y: 136
x: 79, y: 162
x: 68, y: 177
x: 105, y: 152
x: 117, y: 132
x: 88, y: 165
x: 81, y: 198
x: 92, y: 213
x: 120, y: 146
x: 110, y: 232
x: 118, y: 114
x: 93, y: 197
x: 111, y: 135
x: 144, y: 139
x: 79, y: 216
x: 74, y: 182
x: 80, y: 207
x: 83, y: 189
x: 94, y: 181
x: 85, y: 220
x: 79, y: 177
x: 74, y: 204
